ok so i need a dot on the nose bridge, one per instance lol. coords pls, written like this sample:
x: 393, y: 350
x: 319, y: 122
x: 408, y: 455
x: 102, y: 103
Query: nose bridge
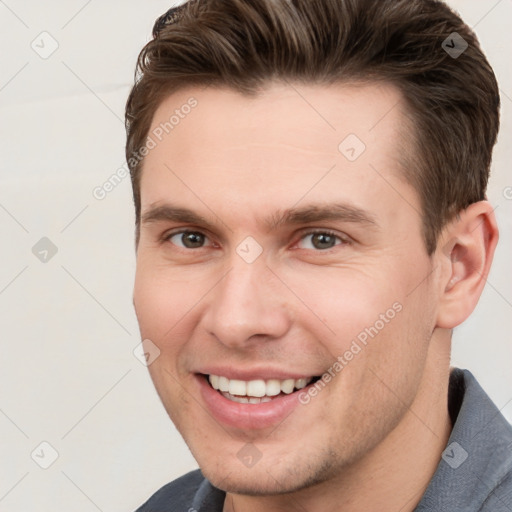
x: 243, y: 306
x: 242, y: 277
x: 239, y: 296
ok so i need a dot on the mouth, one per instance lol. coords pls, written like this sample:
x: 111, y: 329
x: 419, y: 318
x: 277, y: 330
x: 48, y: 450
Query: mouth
x: 256, y: 404
x: 257, y: 391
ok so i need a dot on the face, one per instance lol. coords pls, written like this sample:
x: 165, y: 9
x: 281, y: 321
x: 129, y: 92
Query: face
x: 279, y: 245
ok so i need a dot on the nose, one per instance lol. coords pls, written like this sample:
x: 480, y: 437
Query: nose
x: 246, y: 306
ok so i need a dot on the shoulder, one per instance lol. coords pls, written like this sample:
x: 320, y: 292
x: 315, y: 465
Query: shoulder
x: 178, y: 493
x: 487, y: 436
x: 475, y: 470
x: 500, y: 499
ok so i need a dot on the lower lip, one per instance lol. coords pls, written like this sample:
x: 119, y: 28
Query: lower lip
x: 248, y: 416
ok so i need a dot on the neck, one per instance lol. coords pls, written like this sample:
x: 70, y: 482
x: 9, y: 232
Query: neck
x: 394, y: 475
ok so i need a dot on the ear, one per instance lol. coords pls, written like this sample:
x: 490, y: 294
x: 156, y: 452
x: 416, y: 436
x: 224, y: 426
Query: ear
x: 465, y: 253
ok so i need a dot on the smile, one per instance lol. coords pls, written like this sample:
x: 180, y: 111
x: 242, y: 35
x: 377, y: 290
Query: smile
x: 263, y: 399
x: 256, y: 391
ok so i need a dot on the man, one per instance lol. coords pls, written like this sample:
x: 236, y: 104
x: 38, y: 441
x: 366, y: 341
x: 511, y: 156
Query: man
x: 309, y: 182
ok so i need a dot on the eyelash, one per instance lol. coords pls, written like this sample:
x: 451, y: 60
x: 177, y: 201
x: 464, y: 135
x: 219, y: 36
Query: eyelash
x: 344, y: 240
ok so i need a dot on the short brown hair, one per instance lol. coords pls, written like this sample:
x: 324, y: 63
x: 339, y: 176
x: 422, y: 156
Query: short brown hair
x: 453, y: 100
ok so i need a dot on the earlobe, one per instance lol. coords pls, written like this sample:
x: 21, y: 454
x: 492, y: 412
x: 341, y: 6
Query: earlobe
x: 466, y: 253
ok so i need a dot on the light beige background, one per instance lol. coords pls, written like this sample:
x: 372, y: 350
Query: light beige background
x: 68, y: 375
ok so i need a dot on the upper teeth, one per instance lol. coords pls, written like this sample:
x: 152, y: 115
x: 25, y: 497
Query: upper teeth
x: 257, y: 388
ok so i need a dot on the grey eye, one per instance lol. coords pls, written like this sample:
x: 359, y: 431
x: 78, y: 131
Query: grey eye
x: 188, y: 239
x: 319, y: 241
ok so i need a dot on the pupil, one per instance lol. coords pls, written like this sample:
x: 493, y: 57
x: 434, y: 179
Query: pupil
x: 192, y: 240
x: 323, y: 241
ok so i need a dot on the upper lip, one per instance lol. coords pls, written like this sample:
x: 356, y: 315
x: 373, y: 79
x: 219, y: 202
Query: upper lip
x: 247, y: 374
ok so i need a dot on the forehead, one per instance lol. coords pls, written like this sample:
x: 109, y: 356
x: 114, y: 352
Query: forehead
x: 290, y: 142
x: 306, y: 117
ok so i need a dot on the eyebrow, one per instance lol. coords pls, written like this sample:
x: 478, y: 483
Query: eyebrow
x: 320, y: 213
x: 170, y: 213
x: 292, y: 216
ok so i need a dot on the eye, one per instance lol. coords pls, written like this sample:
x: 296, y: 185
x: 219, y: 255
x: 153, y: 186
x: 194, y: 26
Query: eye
x: 188, y: 239
x: 320, y: 240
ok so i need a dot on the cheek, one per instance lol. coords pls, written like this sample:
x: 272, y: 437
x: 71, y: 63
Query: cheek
x: 367, y: 315
x: 163, y: 301
x: 341, y: 303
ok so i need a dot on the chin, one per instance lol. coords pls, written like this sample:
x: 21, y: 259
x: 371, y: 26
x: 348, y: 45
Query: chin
x: 252, y: 484
x: 267, y: 479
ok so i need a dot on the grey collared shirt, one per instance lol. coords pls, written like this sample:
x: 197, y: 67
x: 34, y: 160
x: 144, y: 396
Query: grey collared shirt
x: 473, y: 475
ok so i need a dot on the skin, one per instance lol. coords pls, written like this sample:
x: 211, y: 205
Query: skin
x: 372, y: 438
